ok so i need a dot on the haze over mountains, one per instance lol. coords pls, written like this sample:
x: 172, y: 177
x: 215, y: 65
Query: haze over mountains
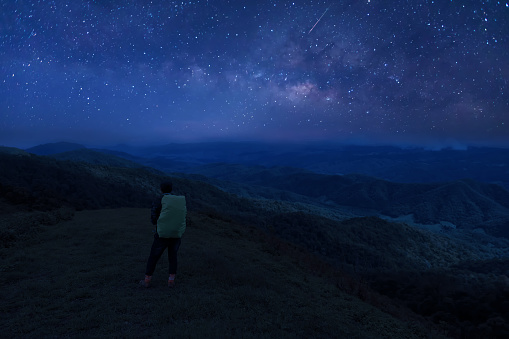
x: 453, y: 188
x: 451, y: 224
x: 447, y: 207
x: 412, y: 165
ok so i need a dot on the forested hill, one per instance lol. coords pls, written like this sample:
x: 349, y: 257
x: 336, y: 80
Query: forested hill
x: 44, y: 183
x: 394, y: 257
x: 466, y: 204
x: 463, y: 204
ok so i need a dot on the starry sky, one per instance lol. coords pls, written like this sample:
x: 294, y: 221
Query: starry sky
x: 100, y: 72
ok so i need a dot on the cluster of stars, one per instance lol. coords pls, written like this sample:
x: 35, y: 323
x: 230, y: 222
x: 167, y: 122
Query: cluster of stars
x: 192, y: 70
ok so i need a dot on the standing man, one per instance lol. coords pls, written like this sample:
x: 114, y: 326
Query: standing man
x: 169, y: 216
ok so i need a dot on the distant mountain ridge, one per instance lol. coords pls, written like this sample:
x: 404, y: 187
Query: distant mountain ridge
x: 406, y: 165
x: 53, y: 148
x: 13, y: 150
x: 435, y: 274
x: 97, y: 157
x: 465, y: 204
x: 85, y: 186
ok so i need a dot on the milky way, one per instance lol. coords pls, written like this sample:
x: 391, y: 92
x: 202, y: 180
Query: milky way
x: 400, y: 72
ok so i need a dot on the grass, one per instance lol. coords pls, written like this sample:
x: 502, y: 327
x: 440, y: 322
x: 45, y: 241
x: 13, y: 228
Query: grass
x: 79, y: 278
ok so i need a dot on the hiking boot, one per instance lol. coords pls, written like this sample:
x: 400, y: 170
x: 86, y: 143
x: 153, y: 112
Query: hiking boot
x: 144, y: 283
x: 171, y: 280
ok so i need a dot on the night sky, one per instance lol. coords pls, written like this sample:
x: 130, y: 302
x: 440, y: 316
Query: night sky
x: 401, y: 72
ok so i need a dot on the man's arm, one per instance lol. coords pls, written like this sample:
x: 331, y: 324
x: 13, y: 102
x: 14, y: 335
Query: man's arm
x: 155, y: 211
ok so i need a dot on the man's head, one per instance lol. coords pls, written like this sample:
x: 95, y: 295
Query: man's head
x: 166, y: 187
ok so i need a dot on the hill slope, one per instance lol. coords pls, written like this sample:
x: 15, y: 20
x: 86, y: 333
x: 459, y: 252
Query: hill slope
x: 79, y: 278
x: 465, y: 203
x: 37, y: 192
x: 42, y: 183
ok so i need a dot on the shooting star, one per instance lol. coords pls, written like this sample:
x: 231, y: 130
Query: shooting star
x: 318, y: 20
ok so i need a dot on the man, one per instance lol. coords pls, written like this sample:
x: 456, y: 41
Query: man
x: 169, y: 216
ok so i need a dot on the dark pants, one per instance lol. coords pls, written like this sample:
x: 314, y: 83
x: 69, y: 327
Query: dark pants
x: 158, y: 247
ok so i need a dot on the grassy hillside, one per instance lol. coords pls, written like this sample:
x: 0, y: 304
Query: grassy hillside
x: 467, y: 204
x: 42, y: 183
x: 470, y: 305
x: 40, y: 194
x: 79, y: 278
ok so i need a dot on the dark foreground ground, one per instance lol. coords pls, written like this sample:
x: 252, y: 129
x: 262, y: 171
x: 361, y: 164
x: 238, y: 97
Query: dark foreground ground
x: 79, y: 278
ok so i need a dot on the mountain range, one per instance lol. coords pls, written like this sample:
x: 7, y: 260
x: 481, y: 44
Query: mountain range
x: 430, y: 237
x: 459, y: 204
x: 410, y: 165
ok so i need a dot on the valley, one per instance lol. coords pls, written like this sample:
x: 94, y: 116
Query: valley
x: 428, y: 237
